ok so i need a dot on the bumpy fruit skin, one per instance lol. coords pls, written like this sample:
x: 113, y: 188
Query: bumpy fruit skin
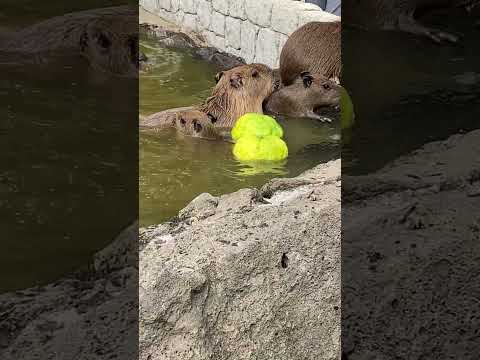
x: 268, y: 148
x: 258, y: 125
x: 347, y: 115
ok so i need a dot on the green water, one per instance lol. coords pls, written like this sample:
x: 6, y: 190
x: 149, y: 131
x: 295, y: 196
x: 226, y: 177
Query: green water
x: 67, y: 168
x: 174, y: 169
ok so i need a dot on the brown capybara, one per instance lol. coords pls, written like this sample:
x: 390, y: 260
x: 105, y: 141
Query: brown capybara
x: 239, y: 91
x: 308, y: 94
x: 400, y: 15
x: 196, y: 124
x: 314, y: 47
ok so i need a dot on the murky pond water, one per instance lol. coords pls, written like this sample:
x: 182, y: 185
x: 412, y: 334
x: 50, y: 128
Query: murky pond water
x: 415, y: 92
x: 67, y: 169
x: 174, y: 169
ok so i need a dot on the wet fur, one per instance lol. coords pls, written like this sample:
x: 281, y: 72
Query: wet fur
x: 314, y: 47
x: 308, y: 93
x: 239, y: 92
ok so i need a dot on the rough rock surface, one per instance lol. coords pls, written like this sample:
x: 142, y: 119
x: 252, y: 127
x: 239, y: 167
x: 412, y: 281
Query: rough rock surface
x: 91, y: 314
x: 410, y: 255
x: 250, y: 275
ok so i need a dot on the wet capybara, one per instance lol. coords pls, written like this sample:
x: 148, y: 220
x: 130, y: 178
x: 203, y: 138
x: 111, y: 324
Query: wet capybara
x: 314, y: 47
x: 400, y: 15
x: 196, y: 124
x: 107, y: 38
x: 305, y: 97
x: 239, y: 91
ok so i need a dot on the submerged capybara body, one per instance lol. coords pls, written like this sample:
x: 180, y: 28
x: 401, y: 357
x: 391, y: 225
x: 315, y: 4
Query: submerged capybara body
x: 400, y: 15
x: 308, y: 94
x: 314, y: 47
x: 239, y: 91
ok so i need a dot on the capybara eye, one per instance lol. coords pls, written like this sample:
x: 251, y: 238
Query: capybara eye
x: 218, y: 76
x: 326, y: 86
x: 255, y: 73
x: 182, y: 121
x: 196, y: 126
x: 212, y: 118
x: 104, y: 41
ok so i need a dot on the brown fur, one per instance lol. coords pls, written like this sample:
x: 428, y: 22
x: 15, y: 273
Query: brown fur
x: 195, y: 123
x: 314, y: 47
x: 308, y: 93
x: 239, y: 91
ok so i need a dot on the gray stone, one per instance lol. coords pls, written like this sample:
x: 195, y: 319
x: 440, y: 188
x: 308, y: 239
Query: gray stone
x: 259, y: 12
x: 175, y: 5
x: 237, y: 9
x: 204, y: 11
x: 305, y: 17
x: 203, y: 206
x: 255, y: 280
x: 249, y: 33
x: 190, y: 23
x: 232, y: 32
x: 218, y: 23
x: 221, y: 6
x: 266, y: 51
x: 284, y: 19
x: 188, y: 6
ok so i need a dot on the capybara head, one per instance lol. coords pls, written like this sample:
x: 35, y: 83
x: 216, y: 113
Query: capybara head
x: 239, y: 91
x: 320, y: 91
x: 310, y: 93
x: 196, y: 123
x: 112, y: 47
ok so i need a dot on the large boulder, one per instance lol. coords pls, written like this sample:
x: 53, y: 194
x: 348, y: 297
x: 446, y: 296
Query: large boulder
x: 250, y: 275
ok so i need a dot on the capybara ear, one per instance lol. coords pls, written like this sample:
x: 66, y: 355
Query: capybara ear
x: 218, y: 76
x: 307, y: 79
x: 236, y: 81
x: 255, y: 73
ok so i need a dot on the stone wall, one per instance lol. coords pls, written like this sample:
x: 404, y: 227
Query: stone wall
x: 252, y: 29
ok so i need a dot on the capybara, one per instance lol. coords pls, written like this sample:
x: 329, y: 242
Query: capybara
x: 239, y: 91
x: 305, y: 97
x: 314, y: 47
x: 196, y: 124
x: 400, y: 15
x: 107, y: 37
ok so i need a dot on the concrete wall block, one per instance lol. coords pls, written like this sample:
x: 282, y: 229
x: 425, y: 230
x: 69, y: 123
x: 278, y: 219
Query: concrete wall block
x: 190, y: 22
x: 266, y: 50
x: 236, y: 8
x: 175, y: 5
x: 204, y: 12
x: 219, y: 43
x: 163, y: 4
x: 259, y: 12
x: 248, y: 36
x: 235, y: 52
x: 232, y: 32
x: 218, y: 23
x: 188, y: 6
x: 284, y: 19
x: 309, y: 16
x: 221, y: 6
